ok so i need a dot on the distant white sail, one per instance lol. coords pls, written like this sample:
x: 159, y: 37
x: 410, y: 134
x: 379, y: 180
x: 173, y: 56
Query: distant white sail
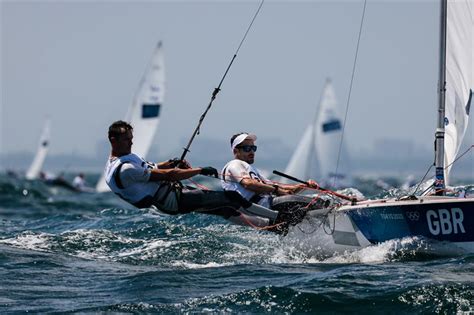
x: 328, y: 135
x: 37, y: 164
x: 316, y: 155
x: 459, y: 76
x: 303, y: 163
x: 144, y: 114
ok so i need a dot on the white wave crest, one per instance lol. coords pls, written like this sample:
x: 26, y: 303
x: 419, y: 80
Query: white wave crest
x: 31, y: 241
x: 190, y: 265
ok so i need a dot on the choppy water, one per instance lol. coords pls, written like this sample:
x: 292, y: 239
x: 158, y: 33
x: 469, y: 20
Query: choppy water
x: 67, y: 252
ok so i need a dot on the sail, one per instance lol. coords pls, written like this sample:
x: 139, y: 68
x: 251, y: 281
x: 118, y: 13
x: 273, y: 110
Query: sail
x: 459, y: 76
x: 144, y: 114
x: 328, y: 137
x: 37, y: 164
x: 303, y: 163
x: 316, y: 155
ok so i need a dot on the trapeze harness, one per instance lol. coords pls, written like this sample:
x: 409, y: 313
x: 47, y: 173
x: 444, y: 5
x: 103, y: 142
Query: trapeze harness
x: 142, y: 194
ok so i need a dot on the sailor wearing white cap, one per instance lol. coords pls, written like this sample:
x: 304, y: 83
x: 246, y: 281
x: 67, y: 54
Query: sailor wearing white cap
x: 239, y: 175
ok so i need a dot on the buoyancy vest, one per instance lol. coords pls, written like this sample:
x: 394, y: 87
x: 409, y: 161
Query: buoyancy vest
x: 232, y: 174
x: 141, y: 193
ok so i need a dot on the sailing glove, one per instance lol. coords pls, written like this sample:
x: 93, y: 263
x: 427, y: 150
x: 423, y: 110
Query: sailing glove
x: 209, y: 171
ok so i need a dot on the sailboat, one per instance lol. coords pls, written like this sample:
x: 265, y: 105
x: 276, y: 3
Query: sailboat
x: 144, y: 113
x: 37, y: 165
x: 439, y: 219
x: 316, y: 153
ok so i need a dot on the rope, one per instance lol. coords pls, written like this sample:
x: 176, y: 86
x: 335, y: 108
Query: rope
x: 314, y: 230
x: 349, y: 95
x: 218, y: 88
x: 331, y: 230
x: 323, y: 222
x: 445, y: 190
x: 465, y: 152
x: 312, y: 201
x: 200, y: 186
x: 250, y: 26
x: 421, y: 181
x: 327, y: 191
x: 261, y: 227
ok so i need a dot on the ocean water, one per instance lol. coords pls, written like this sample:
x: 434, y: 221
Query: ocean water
x: 62, y: 251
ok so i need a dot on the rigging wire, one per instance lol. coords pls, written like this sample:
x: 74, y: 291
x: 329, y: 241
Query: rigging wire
x: 350, y: 90
x: 464, y: 153
x: 218, y: 88
x: 452, y: 163
x: 421, y: 181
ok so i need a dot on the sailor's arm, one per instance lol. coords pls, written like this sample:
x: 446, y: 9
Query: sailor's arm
x: 263, y: 188
x: 299, y: 187
x: 173, y: 174
x: 172, y: 163
x: 293, y: 188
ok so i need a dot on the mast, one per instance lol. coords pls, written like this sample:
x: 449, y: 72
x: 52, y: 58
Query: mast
x: 439, y: 135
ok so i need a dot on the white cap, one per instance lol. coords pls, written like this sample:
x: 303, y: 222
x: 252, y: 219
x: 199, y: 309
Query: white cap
x: 240, y: 138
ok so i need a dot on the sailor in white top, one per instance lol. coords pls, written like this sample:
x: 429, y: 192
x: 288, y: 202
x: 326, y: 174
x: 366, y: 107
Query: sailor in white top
x: 129, y: 177
x: 234, y: 171
x: 239, y: 175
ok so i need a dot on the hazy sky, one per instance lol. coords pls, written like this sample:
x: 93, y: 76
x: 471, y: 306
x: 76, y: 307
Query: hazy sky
x: 80, y: 63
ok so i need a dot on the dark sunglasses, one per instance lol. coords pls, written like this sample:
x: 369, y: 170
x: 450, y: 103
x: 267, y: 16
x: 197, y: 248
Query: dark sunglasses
x: 248, y: 148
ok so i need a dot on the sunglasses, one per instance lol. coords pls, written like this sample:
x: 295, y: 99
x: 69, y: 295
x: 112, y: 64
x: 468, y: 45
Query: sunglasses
x: 248, y: 148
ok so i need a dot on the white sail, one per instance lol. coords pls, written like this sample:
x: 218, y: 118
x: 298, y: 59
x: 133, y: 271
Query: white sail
x: 303, y: 163
x: 316, y: 155
x: 37, y: 164
x: 459, y: 76
x: 328, y: 135
x: 144, y: 114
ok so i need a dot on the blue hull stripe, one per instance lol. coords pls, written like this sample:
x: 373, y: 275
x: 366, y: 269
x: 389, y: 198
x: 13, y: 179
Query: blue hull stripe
x: 452, y: 222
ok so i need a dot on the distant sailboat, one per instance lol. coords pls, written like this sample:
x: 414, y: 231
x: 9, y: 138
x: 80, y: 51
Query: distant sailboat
x: 441, y: 220
x: 43, y: 148
x: 144, y: 114
x: 316, y: 154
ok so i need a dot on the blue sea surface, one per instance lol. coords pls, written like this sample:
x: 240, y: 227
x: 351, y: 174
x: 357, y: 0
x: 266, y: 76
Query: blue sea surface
x: 62, y: 251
